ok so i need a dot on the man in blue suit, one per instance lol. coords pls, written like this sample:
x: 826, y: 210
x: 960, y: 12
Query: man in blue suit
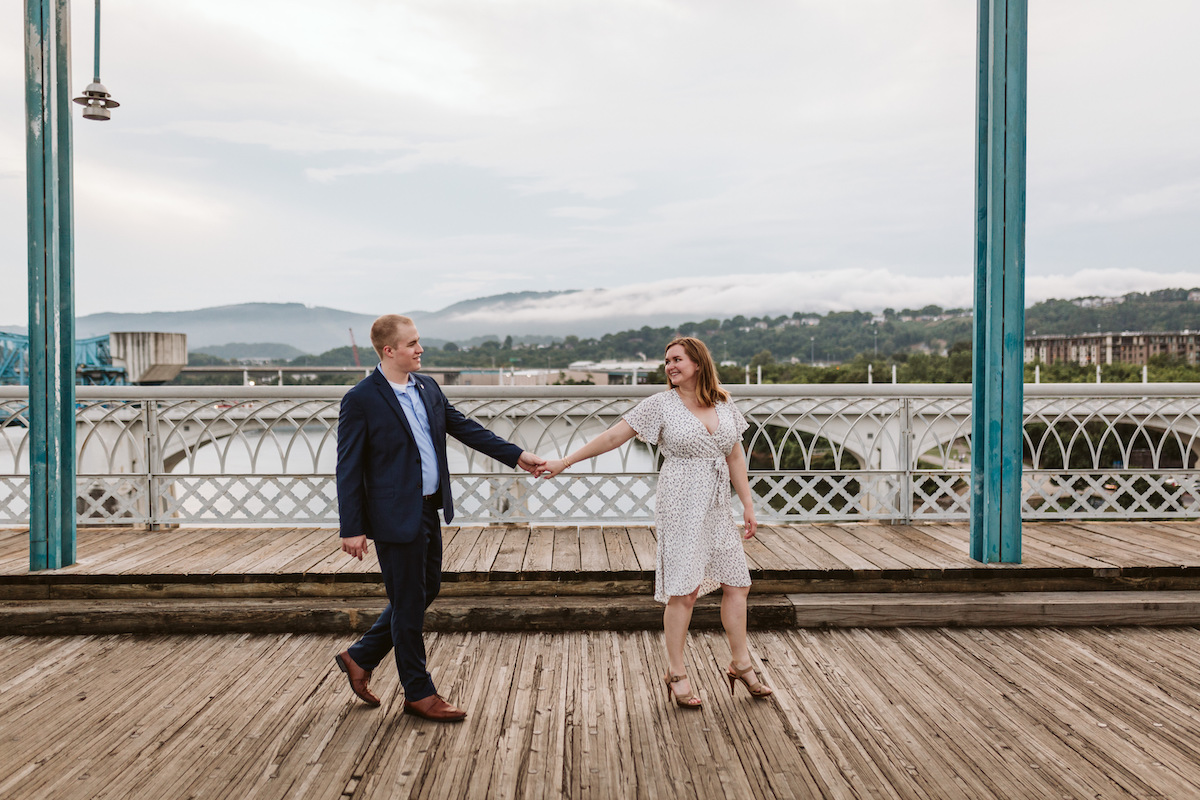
x: 392, y: 477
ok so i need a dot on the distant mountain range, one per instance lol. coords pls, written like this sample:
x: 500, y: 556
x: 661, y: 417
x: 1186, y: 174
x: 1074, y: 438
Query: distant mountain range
x: 280, y: 330
x: 308, y: 329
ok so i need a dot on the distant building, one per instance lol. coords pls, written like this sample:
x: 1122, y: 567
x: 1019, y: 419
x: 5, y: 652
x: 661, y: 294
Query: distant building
x: 1097, y: 302
x: 1127, y: 347
x: 609, y: 373
x: 1194, y: 297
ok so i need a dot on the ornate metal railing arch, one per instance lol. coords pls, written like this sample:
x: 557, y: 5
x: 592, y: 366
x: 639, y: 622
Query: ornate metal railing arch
x: 264, y: 455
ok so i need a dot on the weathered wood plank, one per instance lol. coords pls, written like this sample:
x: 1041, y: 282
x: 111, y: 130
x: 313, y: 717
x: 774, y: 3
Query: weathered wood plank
x: 789, y: 548
x: 566, y: 558
x: 621, y: 557
x: 456, y: 548
x: 539, y: 555
x: 330, y: 558
x: 593, y: 556
x: 317, y: 554
x: 1145, y: 538
x: 264, y: 544
x: 511, y: 554
x: 1065, y: 538
x: 481, y: 557
x: 279, y: 552
x: 872, y: 548
x: 821, y: 538
x: 1175, y: 539
x: 645, y: 546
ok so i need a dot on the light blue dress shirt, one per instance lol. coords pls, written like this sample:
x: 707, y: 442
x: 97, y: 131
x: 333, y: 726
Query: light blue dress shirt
x: 413, y: 406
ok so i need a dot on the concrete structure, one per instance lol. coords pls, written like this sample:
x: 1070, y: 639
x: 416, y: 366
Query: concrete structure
x: 609, y: 373
x: 149, y: 358
x: 1127, y: 347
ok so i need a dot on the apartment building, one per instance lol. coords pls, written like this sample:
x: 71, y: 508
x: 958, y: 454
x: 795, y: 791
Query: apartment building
x: 1127, y: 347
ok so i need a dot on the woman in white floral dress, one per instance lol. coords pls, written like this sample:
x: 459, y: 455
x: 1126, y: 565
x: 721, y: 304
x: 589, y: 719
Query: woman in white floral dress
x: 698, y: 432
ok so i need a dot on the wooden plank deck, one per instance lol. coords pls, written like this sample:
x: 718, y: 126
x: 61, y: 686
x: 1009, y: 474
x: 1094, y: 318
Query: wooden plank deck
x: 613, y: 559
x: 905, y: 713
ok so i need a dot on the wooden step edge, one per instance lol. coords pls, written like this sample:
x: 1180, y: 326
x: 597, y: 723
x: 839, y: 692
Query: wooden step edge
x: 45, y: 586
x: 993, y: 610
x: 347, y: 616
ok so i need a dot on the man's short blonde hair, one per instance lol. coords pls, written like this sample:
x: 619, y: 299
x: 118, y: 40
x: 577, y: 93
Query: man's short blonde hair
x: 385, y: 331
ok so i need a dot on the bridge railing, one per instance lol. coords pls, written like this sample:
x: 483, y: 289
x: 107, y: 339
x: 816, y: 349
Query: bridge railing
x: 266, y: 455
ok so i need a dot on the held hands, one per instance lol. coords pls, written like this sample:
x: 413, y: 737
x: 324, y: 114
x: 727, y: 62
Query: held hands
x: 554, y: 467
x: 356, y: 546
x: 531, y: 463
x: 751, y: 524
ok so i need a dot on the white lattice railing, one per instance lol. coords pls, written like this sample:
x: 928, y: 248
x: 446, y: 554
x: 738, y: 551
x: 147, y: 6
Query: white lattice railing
x: 264, y: 455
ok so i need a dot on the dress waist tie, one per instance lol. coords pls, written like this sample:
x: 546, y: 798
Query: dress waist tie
x: 720, y: 468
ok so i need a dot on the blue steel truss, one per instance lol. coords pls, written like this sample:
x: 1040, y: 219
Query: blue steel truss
x: 14, y: 360
x: 93, y: 362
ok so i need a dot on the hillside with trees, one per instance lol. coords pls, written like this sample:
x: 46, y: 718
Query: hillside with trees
x: 929, y: 344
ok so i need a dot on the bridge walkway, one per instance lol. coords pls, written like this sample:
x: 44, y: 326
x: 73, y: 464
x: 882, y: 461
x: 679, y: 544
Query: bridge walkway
x: 859, y: 713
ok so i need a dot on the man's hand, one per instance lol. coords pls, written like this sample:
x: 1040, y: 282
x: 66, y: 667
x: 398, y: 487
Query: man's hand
x: 533, y: 464
x: 356, y: 546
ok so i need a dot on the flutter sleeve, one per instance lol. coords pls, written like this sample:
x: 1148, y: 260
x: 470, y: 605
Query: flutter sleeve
x: 739, y: 422
x: 646, y: 418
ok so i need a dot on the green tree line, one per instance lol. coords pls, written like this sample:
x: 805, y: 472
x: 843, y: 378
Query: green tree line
x: 929, y: 344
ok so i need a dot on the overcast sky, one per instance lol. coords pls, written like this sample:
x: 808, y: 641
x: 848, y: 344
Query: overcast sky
x: 722, y: 157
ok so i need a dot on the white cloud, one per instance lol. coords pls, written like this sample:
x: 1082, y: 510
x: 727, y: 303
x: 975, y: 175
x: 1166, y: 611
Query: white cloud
x: 784, y: 293
x: 582, y: 212
x: 293, y: 137
x: 1105, y: 283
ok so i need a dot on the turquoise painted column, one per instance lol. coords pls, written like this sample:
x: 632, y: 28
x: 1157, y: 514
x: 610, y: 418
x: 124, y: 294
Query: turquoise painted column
x: 997, y: 426
x: 66, y: 277
x: 51, y: 306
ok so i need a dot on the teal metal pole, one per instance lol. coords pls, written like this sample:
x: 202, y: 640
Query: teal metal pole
x: 1013, y: 389
x: 979, y: 339
x: 999, y: 334
x: 38, y: 183
x: 51, y: 365
x: 66, y: 276
x: 96, y: 72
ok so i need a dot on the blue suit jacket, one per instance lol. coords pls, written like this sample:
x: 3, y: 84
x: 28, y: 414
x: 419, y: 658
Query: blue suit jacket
x: 379, y: 468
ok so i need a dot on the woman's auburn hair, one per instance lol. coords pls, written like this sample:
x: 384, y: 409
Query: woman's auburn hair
x: 708, y: 386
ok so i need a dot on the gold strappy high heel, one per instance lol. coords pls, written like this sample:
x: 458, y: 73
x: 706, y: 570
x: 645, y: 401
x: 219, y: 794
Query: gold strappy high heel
x: 757, y: 689
x: 689, y: 700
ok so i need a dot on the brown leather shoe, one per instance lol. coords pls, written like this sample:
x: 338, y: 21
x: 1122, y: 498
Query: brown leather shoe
x: 435, y: 708
x: 358, y: 677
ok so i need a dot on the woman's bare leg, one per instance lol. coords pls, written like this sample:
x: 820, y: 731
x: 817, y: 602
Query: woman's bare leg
x: 677, y: 616
x: 733, y: 619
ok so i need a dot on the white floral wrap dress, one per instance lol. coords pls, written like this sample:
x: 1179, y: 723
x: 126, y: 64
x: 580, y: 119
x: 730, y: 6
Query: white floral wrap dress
x: 699, y: 543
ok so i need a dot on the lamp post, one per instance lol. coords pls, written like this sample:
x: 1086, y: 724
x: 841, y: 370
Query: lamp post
x: 51, y: 248
x: 96, y: 100
x: 812, y: 351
